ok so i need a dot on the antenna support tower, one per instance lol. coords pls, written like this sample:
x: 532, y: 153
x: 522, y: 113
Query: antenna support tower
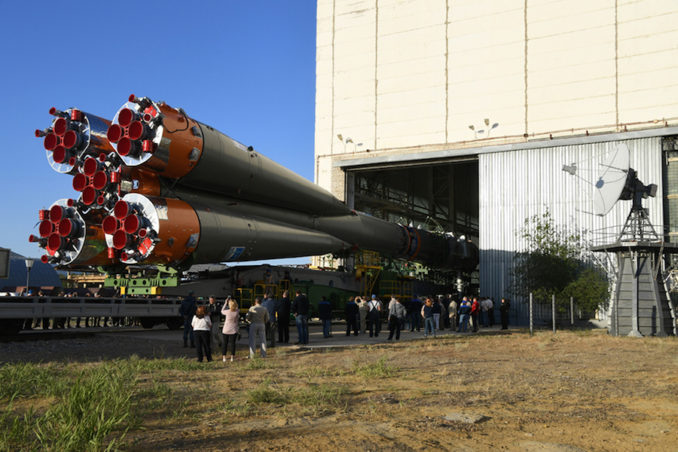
x: 640, y: 304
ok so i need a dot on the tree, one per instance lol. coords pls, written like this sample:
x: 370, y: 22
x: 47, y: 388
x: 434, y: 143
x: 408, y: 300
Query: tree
x: 555, y: 262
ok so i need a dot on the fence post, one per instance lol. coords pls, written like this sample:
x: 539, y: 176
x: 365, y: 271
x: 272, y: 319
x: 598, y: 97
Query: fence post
x: 553, y: 312
x: 531, y: 319
x: 571, y: 311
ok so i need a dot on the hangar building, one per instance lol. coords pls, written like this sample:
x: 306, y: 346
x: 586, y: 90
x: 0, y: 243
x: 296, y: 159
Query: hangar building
x: 463, y: 112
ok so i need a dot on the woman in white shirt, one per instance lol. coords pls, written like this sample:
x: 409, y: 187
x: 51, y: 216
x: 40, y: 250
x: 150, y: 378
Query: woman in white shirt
x: 201, y: 329
x: 230, y: 331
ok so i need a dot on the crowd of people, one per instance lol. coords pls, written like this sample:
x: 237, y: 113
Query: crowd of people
x: 270, y: 317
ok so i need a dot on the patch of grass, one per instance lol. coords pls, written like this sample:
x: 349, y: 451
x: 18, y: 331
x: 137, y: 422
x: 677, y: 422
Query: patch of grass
x: 98, y: 404
x: 27, y: 379
x: 233, y: 408
x: 321, y: 397
x: 378, y: 368
x: 320, y: 371
x: 15, y: 431
x: 94, y: 412
x: 259, y: 363
x: 140, y: 365
x: 268, y: 393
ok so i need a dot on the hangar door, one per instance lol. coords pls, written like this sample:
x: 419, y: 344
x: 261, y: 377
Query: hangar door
x: 439, y: 196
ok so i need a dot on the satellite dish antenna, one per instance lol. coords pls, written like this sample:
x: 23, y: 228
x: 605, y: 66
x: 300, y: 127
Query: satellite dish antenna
x: 618, y: 181
x: 614, y: 172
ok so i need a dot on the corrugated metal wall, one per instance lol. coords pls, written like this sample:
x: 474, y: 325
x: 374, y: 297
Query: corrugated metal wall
x: 516, y: 185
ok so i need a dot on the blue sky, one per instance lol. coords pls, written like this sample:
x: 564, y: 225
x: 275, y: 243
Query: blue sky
x: 247, y: 68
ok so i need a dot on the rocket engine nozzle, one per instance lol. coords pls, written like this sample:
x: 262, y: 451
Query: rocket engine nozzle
x: 70, y: 237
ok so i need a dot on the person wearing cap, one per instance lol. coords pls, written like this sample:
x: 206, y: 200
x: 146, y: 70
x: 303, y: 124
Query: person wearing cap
x: 374, y: 316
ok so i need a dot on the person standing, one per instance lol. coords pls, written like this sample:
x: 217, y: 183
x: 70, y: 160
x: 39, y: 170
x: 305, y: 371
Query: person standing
x: 486, y: 305
x: 231, y: 327
x: 491, y: 311
x: 475, y: 311
x: 427, y: 314
x: 284, y: 318
x: 396, y: 314
x: 257, y: 316
x: 504, y: 309
x: 271, y: 306
x: 464, y: 312
x: 352, y: 317
x: 436, y: 308
x: 363, y: 309
x: 374, y: 316
x: 454, y: 318
x: 301, y: 308
x: 187, y: 309
x: 415, y: 313
x: 202, y: 325
x: 214, y: 311
x: 325, y: 315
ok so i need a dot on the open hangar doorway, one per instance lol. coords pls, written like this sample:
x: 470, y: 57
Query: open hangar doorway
x: 440, y: 195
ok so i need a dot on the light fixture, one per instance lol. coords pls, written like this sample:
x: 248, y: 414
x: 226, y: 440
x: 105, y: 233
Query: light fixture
x: 29, y: 265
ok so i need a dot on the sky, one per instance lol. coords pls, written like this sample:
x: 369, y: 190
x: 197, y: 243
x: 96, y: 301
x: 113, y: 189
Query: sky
x: 246, y: 68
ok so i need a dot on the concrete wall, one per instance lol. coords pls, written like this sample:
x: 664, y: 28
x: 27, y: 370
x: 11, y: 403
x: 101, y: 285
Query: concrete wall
x: 410, y: 76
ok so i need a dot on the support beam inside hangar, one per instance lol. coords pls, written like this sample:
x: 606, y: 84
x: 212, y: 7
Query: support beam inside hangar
x: 438, y: 196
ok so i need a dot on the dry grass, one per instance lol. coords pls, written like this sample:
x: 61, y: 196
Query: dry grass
x: 581, y: 390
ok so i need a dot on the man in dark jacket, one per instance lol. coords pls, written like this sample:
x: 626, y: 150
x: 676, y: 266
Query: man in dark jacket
x: 414, y: 311
x: 325, y: 315
x: 284, y: 318
x: 504, y: 308
x: 352, y: 313
x: 187, y: 310
x: 272, y: 307
x: 300, y: 309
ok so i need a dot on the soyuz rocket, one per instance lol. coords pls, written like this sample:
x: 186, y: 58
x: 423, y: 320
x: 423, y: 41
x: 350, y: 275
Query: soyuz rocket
x: 159, y: 187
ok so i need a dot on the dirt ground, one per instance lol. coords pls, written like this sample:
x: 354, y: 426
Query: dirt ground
x: 572, y: 391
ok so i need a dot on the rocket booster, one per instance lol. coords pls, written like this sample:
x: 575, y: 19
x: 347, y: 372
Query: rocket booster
x: 159, y: 187
x: 167, y: 141
x: 155, y: 230
x: 72, y: 135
